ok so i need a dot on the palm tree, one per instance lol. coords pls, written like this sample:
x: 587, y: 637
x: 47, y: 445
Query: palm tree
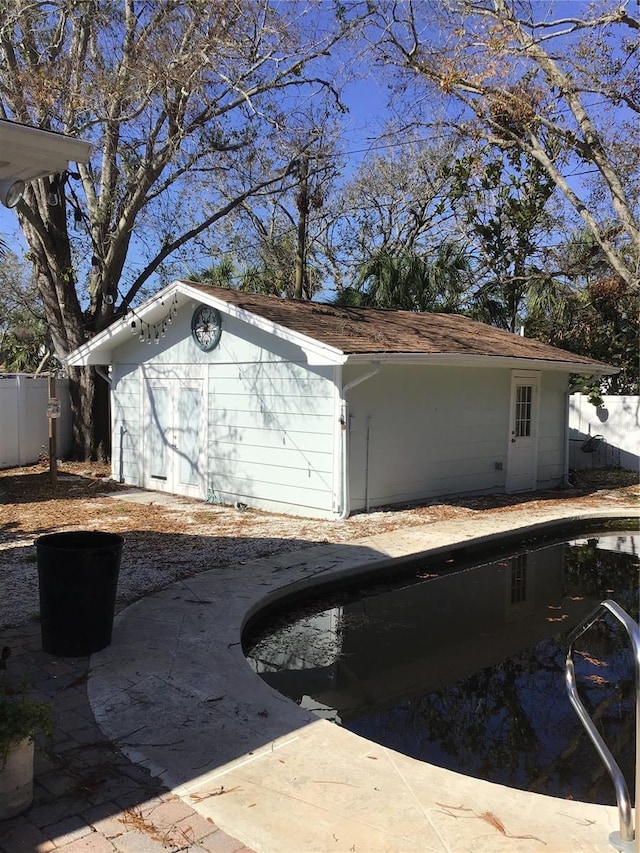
x: 412, y: 282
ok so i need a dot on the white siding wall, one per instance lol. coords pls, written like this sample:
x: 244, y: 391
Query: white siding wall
x: 432, y: 431
x: 271, y: 421
x: 126, y: 429
x: 270, y: 416
x: 552, y: 429
x: 441, y: 431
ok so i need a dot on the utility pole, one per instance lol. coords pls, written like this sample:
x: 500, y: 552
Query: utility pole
x: 303, y: 210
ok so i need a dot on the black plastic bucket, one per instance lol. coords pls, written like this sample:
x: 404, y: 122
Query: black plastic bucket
x: 78, y: 578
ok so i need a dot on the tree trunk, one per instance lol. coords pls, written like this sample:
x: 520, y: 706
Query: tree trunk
x: 91, y: 417
x: 50, y: 253
x: 303, y: 210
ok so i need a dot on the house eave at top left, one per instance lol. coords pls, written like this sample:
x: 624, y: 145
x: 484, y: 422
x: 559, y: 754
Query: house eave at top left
x: 28, y: 153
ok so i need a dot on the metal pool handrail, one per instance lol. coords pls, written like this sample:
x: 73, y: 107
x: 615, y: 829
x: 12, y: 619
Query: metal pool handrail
x: 623, y: 840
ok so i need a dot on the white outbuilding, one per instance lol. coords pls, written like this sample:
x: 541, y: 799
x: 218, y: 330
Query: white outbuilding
x: 317, y: 410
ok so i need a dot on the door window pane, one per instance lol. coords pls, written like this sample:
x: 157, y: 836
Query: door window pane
x: 518, y: 578
x: 524, y: 397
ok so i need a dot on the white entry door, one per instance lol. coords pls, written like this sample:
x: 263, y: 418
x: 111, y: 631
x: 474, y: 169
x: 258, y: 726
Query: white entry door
x: 522, y: 456
x: 174, y: 436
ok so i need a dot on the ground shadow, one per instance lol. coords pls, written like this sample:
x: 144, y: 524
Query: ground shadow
x: 35, y: 486
x: 581, y: 484
x: 87, y: 779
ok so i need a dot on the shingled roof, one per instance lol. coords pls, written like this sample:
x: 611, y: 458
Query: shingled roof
x: 330, y: 334
x: 379, y: 331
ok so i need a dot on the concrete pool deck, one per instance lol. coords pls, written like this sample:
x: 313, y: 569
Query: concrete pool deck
x: 174, y: 693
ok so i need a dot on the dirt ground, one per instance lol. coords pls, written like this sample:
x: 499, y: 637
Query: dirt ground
x: 164, y: 543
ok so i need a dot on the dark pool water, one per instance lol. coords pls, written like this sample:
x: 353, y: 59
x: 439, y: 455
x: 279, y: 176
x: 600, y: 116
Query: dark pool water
x: 462, y: 664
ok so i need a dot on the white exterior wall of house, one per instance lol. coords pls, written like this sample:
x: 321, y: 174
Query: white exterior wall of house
x: 443, y: 431
x: 552, y: 430
x: 271, y: 424
x: 126, y: 435
x: 266, y: 419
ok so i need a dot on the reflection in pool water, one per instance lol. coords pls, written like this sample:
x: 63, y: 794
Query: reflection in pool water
x: 463, y: 666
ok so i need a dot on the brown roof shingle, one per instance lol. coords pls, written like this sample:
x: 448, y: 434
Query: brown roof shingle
x: 374, y: 330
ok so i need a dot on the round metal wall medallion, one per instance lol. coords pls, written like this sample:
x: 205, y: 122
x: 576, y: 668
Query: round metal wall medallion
x: 206, y: 327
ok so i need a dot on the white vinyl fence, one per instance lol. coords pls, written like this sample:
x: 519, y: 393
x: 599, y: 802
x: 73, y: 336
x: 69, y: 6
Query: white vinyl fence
x: 604, y: 436
x: 24, y: 425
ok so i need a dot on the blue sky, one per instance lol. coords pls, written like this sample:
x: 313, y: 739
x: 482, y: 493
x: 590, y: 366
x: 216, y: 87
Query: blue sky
x: 9, y: 230
x: 367, y: 104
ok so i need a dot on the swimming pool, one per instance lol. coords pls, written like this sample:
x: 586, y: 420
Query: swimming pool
x: 460, y: 662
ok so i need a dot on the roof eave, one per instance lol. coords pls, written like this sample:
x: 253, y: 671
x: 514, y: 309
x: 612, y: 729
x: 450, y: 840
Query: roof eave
x: 472, y: 360
x: 28, y: 153
x: 99, y: 350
